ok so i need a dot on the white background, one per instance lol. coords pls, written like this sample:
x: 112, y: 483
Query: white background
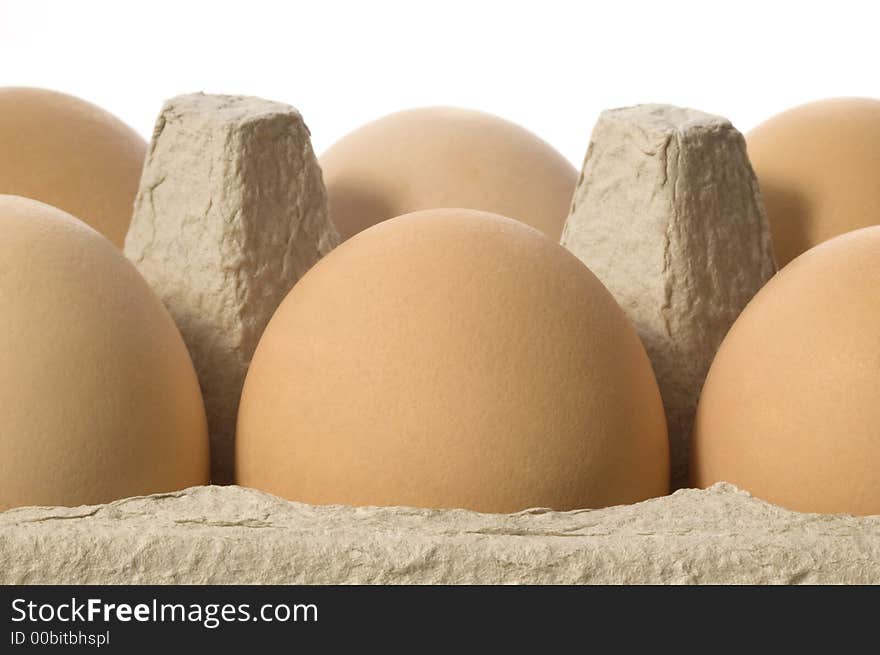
x: 550, y: 66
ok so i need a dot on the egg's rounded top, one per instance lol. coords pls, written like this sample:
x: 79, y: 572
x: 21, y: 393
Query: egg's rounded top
x: 67, y: 152
x: 452, y: 358
x: 98, y: 396
x: 790, y: 410
x: 434, y: 157
x: 818, y: 166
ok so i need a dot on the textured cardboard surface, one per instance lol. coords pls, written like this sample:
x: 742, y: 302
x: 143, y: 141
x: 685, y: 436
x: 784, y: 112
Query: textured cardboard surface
x: 230, y: 213
x: 667, y: 213
x: 236, y: 535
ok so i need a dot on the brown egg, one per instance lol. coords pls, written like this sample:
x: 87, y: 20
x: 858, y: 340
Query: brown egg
x: 71, y: 154
x: 791, y: 408
x: 818, y: 166
x: 452, y: 358
x: 445, y: 157
x: 98, y: 397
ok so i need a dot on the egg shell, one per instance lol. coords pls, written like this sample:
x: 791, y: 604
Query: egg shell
x: 435, y: 157
x: 818, y: 166
x: 70, y: 154
x: 452, y: 358
x: 790, y: 408
x: 98, y: 396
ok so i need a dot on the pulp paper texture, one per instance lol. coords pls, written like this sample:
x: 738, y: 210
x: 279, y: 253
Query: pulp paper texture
x: 230, y: 213
x: 219, y: 535
x: 668, y: 214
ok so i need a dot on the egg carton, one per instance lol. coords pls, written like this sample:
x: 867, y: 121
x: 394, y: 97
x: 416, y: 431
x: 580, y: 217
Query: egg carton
x: 690, y: 247
x: 667, y: 213
x: 234, y: 535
